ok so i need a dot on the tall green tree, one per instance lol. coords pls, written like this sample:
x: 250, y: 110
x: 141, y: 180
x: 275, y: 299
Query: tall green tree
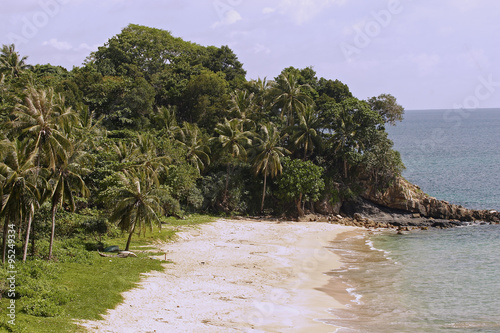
x: 11, y: 63
x: 299, y: 182
x: 306, y: 134
x: 291, y: 97
x: 388, y: 108
x: 268, y: 155
x: 138, y: 204
x: 20, y: 193
x: 195, y: 144
x: 42, y: 118
x: 66, y: 181
x: 233, y: 142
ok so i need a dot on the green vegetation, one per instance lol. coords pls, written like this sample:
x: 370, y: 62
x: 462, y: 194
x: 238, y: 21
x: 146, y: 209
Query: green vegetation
x: 153, y: 128
x: 52, y: 294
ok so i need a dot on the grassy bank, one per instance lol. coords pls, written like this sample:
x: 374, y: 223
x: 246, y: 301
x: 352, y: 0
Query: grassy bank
x: 80, y: 284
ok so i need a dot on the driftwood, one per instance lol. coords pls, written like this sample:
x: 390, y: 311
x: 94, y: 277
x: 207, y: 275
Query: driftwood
x: 121, y: 254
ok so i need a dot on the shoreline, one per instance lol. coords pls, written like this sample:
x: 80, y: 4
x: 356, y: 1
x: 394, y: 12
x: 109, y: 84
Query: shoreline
x: 237, y: 276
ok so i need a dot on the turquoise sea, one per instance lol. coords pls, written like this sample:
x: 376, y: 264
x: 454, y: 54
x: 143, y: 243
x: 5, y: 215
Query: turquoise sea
x: 435, y: 280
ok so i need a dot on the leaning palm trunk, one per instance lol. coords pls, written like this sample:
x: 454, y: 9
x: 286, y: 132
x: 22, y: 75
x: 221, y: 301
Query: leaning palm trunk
x: 53, y: 229
x: 28, y: 229
x: 130, y: 237
x: 263, y: 193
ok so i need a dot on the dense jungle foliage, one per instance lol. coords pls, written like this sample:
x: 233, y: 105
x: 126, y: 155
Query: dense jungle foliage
x: 152, y: 126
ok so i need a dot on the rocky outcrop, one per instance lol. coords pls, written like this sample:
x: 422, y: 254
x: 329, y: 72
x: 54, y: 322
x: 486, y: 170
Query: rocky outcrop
x: 406, y: 197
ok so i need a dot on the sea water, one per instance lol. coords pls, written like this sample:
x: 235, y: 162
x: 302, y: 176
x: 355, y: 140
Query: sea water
x: 433, y: 280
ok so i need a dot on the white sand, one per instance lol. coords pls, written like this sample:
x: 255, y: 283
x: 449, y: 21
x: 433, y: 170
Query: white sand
x: 235, y: 276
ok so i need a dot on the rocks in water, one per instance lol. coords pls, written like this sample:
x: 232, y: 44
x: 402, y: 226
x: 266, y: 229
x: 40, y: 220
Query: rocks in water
x: 404, y: 196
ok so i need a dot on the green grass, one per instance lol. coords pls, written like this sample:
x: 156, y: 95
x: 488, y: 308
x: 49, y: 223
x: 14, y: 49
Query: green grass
x: 94, y: 284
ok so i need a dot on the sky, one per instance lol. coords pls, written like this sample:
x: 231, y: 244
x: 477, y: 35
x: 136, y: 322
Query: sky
x: 440, y: 54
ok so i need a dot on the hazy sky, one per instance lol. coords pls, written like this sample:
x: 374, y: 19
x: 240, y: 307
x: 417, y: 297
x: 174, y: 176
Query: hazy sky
x: 429, y: 54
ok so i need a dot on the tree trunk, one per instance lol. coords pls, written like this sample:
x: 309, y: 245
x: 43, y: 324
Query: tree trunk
x: 224, y: 198
x: 53, y: 229
x: 345, y: 168
x: 298, y: 202
x: 263, y: 193
x: 5, y: 231
x: 28, y: 228
x: 130, y: 238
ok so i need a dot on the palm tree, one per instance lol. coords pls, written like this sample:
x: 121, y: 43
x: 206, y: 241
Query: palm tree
x: 344, y: 137
x: 242, y: 104
x: 11, y: 62
x: 42, y: 118
x: 166, y: 120
x: 138, y: 204
x: 262, y: 88
x: 65, y: 181
x: 268, y: 155
x: 291, y: 97
x: 21, y: 196
x: 148, y: 157
x: 306, y: 133
x: 196, y: 148
x: 233, y: 142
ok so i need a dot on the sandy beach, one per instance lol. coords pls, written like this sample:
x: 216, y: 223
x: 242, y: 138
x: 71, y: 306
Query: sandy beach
x: 235, y: 276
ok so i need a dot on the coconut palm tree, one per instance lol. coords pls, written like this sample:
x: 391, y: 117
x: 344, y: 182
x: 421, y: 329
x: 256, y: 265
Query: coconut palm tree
x: 65, y: 181
x: 138, y: 204
x: 11, y: 62
x: 306, y: 133
x: 290, y: 97
x: 166, y: 121
x: 20, y: 194
x: 242, y: 105
x: 42, y: 118
x: 268, y: 155
x: 197, y: 150
x: 233, y: 142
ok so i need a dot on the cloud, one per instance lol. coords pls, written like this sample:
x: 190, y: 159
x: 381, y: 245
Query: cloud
x: 58, y: 45
x: 302, y: 11
x: 261, y: 48
x: 268, y: 10
x: 66, y: 46
x: 227, y: 15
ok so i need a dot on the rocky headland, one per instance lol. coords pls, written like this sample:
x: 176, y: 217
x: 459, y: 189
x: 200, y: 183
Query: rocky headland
x: 404, y: 205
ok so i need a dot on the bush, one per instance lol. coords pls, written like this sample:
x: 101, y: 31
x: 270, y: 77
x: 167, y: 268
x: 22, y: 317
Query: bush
x: 38, y: 291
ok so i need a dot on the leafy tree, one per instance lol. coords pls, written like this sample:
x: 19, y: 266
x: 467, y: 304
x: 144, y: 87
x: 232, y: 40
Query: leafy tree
x: 354, y: 126
x: 300, y: 181
x: 138, y: 204
x: 388, y: 108
x: 268, y: 155
x: 205, y: 99
x: 333, y: 91
x: 224, y: 60
x: 140, y: 49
